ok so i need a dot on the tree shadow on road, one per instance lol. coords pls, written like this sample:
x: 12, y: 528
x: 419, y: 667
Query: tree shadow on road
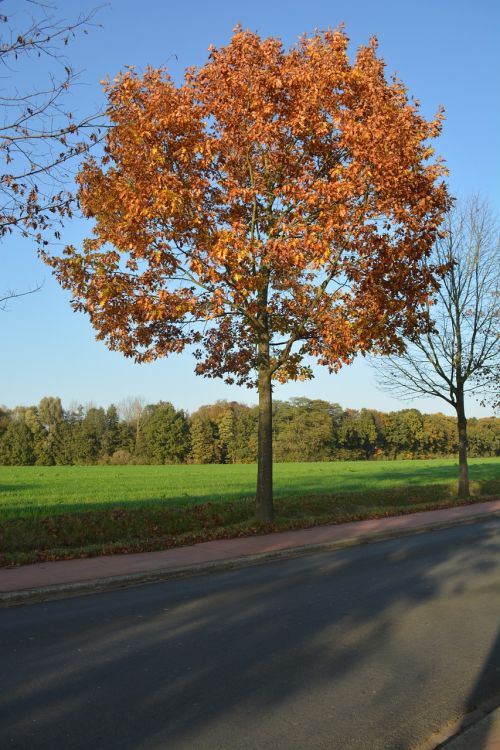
x: 484, y: 698
x: 367, y: 648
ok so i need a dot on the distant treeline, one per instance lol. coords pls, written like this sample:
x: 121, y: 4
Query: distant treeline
x: 226, y: 432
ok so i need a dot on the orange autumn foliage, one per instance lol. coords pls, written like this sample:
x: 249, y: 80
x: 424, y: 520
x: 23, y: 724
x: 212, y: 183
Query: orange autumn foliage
x: 277, y: 204
x: 291, y: 186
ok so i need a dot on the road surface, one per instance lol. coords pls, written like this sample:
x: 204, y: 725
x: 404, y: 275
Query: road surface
x: 367, y: 648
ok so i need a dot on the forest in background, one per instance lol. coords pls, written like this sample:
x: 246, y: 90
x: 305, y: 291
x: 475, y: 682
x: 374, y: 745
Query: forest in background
x: 226, y: 432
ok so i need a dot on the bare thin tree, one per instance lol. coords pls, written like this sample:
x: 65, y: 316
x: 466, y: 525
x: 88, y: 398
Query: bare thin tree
x: 461, y: 353
x: 131, y: 409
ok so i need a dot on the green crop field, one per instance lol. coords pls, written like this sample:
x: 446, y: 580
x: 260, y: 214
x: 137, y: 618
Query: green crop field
x: 66, y: 511
x: 43, y: 490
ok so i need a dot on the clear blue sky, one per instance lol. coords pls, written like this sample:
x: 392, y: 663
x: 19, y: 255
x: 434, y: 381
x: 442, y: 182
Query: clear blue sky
x: 445, y: 51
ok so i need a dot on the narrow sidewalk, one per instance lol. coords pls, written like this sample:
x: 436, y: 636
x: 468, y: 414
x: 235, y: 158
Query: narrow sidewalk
x: 54, y: 579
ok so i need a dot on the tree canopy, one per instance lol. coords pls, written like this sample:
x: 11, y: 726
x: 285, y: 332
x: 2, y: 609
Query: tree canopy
x: 226, y: 433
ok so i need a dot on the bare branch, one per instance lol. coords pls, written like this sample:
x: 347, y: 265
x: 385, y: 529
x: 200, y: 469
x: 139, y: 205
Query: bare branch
x: 462, y: 353
x: 11, y: 294
x: 39, y: 136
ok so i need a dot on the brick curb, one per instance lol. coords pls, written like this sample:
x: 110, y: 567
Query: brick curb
x: 82, y: 587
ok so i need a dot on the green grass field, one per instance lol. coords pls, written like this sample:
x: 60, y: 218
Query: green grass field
x: 44, y: 490
x: 49, y: 513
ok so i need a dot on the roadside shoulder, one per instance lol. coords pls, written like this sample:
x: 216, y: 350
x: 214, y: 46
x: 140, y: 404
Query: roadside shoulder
x: 43, y: 581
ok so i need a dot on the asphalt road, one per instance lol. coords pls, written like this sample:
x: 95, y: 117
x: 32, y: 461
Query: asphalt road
x: 368, y: 648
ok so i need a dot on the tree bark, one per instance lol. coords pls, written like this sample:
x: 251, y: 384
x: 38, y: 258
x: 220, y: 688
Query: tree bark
x: 463, y: 469
x: 264, y: 511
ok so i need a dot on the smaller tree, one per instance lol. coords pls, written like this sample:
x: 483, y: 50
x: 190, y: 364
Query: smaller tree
x: 462, y: 351
x: 203, y: 440
x: 439, y: 435
x: 17, y: 445
x: 132, y: 411
x: 358, y: 434
x: 4, y: 419
x: 303, y: 430
x: 89, y: 434
x: 484, y: 437
x: 111, y: 438
x: 226, y: 427
x: 50, y: 412
x: 166, y: 434
x: 246, y: 433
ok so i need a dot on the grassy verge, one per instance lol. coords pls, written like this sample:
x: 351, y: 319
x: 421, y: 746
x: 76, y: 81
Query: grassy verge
x: 64, y: 535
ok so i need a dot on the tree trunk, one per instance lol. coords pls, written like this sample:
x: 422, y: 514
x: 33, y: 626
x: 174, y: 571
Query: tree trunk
x: 463, y: 469
x: 264, y: 511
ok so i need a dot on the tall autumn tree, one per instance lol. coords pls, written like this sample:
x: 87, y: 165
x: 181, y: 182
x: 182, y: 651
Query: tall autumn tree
x: 275, y: 205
